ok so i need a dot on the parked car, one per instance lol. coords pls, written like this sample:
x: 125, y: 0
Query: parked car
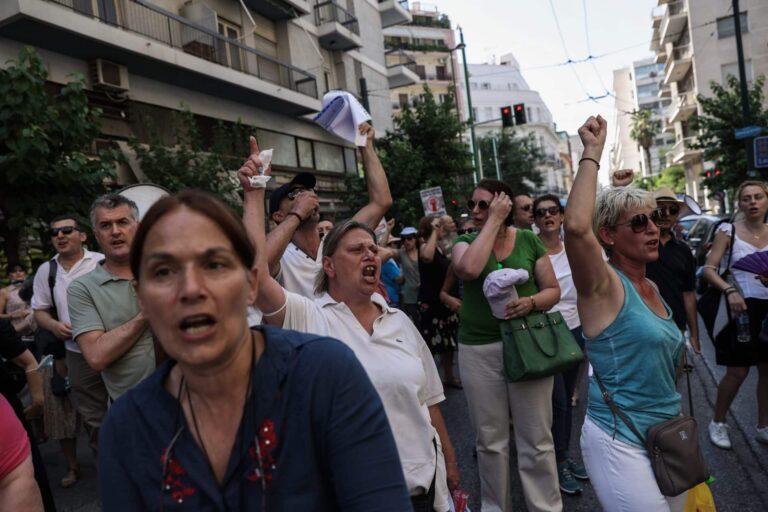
x: 701, y: 234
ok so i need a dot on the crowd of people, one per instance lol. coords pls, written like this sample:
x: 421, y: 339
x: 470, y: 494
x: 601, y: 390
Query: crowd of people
x: 216, y: 364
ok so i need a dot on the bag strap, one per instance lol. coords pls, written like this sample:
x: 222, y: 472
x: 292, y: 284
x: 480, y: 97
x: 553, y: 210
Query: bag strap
x: 730, y: 247
x: 687, y: 369
x: 53, y: 268
x: 615, y: 408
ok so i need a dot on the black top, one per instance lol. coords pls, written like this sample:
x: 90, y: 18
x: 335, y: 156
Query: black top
x: 674, y: 273
x: 11, y: 347
x: 432, y: 276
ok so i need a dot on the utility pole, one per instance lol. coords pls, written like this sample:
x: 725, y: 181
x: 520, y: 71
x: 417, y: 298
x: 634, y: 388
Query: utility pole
x: 747, y: 121
x: 470, y: 116
x: 496, y: 158
x: 364, y: 95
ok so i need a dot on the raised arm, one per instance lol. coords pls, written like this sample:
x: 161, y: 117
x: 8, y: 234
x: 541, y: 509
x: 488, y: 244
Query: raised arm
x: 379, y: 196
x: 581, y: 245
x: 470, y: 259
x: 278, y: 239
x: 428, y: 248
x: 271, y: 297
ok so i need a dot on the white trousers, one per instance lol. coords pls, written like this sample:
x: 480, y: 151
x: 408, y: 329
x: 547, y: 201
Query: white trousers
x: 621, y: 474
x: 492, y: 401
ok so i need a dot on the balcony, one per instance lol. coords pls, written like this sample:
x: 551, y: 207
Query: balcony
x: 664, y: 90
x: 401, y: 69
x: 660, y: 57
x: 678, y: 64
x: 278, y: 10
x: 162, y: 46
x: 394, y: 12
x: 681, y: 107
x: 673, y: 22
x: 337, y: 28
x: 682, y: 152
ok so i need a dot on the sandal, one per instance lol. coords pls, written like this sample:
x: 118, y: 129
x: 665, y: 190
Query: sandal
x: 71, y: 478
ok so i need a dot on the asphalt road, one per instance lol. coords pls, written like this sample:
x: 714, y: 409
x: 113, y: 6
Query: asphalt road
x: 741, y: 474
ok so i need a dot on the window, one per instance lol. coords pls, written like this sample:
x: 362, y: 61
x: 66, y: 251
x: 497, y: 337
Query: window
x: 528, y: 116
x: 643, y: 91
x: 403, y: 100
x: 486, y: 85
x: 421, y: 71
x: 649, y: 70
x: 284, y: 145
x: 227, y: 53
x: 106, y: 10
x: 328, y: 157
x: 473, y: 85
x: 733, y: 69
x: 442, y: 98
x: 488, y: 112
x: 474, y: 113
x: 726, y: 27
x: 306, y: 157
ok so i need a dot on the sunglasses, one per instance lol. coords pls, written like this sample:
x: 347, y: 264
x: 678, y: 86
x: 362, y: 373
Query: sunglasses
x: 482, y: 204
x: 639, y: 222
x: 552, y: 210
x: 526, y: 207
x: 467, y: 231
x: 67, y: 230
x: 293, y: 194
x: 669, y: 209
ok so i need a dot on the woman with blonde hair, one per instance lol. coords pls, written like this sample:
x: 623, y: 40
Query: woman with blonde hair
x: 746, y: 294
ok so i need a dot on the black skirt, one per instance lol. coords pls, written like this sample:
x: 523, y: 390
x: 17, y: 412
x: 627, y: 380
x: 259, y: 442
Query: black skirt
x: 730, y: 352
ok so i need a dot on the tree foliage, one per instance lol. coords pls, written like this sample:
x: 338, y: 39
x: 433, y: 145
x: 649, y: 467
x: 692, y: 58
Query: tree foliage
x: 672, y: 177
x: 643, y: 131
x: 720, y: 116
x: 519, y: 159
x: 47, y: 166
x: 423, y: 151
x: 191, y: 163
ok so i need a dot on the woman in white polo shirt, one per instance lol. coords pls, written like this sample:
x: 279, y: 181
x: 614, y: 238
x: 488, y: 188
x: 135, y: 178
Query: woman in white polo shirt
x: 390, y: 348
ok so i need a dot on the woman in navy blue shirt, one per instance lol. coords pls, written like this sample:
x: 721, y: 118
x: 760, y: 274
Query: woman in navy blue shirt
x: 237, y: 419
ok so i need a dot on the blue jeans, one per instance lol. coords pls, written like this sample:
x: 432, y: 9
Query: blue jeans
x: 562, y: 410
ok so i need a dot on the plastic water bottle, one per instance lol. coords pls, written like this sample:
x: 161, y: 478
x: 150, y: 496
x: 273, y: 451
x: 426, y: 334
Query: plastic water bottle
x: 743, y: 334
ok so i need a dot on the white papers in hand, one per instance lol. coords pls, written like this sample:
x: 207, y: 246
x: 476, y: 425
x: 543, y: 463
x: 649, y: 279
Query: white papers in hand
x: 341, y: 115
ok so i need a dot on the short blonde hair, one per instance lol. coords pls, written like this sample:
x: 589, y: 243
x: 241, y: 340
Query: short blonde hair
x: 750, y: 183
x: 613, y: 202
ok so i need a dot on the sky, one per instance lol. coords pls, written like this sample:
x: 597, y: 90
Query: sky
x: 619, y: 32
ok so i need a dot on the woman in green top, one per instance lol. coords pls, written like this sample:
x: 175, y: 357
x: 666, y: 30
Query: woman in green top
x: 491, y: 398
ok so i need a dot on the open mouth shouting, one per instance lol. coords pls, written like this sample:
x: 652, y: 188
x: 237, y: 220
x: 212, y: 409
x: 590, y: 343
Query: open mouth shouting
x: 369, y: 273
x: 197, y: 326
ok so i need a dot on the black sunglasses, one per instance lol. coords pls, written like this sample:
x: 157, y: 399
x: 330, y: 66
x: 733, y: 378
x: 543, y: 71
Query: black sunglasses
x: 552, y: 210
x: 482, y: 204
x: 639, y: 222
x: 67, y: 230
x: 526, y: 207
x: 670, y: 209
x: 292, y: 194
x: 466, y: 231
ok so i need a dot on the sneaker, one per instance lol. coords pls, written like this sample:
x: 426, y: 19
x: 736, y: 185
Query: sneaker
x: 718, y: 434
x: 762, y: 435
x: 568, y: 484
x: 577, y: 469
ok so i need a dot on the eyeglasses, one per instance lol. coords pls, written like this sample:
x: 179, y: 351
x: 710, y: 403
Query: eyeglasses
x: 526, y: 207
x: 67, y: 230
x: 552, y: 210
x: 292, y: 194
x: 639, y: 222
x: 482, y: 204
x: 466, y: 231
x: 669, y: 209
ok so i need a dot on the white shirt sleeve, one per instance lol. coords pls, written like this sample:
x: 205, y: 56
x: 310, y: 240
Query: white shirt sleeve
x: 41, y: 292
x: 432, y: 393
x: 302, y: 314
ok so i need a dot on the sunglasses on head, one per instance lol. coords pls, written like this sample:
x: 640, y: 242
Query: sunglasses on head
x: 293, y: 194
x: 467, y: 231
x: 552, y: 210
x: 670, y: 209
x: 482, y: 204
x: 639, y: 222
x: 67, y: 230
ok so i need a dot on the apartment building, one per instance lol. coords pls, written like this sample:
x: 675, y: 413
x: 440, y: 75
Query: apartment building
x: 695, y: 41
x: 264, y: 63
x: 636, y: 88
x: 494, y: 86
x: 421, y: 52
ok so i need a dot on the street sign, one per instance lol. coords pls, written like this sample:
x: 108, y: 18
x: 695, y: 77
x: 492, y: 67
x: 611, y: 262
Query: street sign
x: 747, y: 132
x: 761, y: 152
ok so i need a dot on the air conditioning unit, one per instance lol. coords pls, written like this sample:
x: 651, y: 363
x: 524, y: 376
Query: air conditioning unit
x: 108, y: 75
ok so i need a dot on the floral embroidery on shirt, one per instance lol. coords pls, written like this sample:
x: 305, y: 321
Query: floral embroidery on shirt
x: 267, y: 439
x: 173, y: 479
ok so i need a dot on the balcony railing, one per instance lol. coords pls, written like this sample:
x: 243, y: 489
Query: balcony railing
x: 444, y: 76
x: 150, y: 21
x: 400, y: 58
x: 683, y: 101
x: 330, y: 11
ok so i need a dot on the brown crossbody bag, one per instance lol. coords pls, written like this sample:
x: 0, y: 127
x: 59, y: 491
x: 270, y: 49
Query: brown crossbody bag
x: 673, y: 446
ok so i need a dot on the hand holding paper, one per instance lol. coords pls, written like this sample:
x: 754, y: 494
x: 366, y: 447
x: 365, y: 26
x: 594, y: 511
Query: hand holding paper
x: 342, y: 115
x: 254, y: 173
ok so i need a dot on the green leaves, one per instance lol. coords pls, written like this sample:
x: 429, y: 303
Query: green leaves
x: 519, y: 158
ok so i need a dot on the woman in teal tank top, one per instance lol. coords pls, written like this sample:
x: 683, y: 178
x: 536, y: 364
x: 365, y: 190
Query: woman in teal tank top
x: 632, y: 342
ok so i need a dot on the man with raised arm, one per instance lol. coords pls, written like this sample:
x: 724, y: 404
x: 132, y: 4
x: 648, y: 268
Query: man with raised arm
x: 293, y: 247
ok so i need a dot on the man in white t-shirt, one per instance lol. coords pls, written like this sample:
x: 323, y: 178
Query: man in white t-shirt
x: 293, y: 247
x: 72, y: 261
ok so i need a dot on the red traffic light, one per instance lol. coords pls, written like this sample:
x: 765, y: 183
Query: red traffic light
x: 505, y: 110
x: 519, y: 108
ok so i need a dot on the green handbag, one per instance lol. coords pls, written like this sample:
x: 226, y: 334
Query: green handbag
x: 537, y: 346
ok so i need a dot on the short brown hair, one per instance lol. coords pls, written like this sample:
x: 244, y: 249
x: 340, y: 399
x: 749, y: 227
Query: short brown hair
x: 496, y: 186
x: 207, y: 206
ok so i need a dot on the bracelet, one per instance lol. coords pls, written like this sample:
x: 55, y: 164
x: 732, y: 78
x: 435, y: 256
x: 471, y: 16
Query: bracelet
x: 590, y: 160
x: 533, y: 303
x: 297, y: 216
x: 268, y: 315
x: 713, y: 267
x: 32, y: 370
x: 730, y: 290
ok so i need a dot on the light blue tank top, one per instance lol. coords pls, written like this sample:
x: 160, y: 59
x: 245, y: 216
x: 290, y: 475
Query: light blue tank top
x: 636, y: 357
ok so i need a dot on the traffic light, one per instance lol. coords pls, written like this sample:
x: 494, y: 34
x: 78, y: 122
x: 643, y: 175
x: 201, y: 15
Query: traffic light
x: 506, y: 117
x: 520, y: 113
